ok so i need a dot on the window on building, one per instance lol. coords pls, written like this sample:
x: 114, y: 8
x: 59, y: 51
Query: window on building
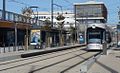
x: 88, y: 10
x: 97, y: 21
x: 44, y: 17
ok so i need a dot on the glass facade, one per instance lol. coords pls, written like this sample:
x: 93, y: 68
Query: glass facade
x: 89, y: 11
x: 85, y: 21
x: 8, y: 37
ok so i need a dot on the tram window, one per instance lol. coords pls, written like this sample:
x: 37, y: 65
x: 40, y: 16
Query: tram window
x: 94, y: 36
x: 95, y: 40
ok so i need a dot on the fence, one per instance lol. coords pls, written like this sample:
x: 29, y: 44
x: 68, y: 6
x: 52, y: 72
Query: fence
x: 10, y: 48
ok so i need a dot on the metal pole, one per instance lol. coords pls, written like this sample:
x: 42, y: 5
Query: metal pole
x: 118, y: 24
x: 117, y: 35
x: 119, y: 13
x: 104, y: 44
x: 85, y: 32
x: 4, y: 13
x: 27, y: 38
x: 4, y: 49
x: 15, y: 37
x: 75, y: 26
x: 52, y: 12
x: 37, y: 15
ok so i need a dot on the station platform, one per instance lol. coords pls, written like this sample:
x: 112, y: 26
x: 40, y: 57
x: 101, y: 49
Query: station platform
x: 109, y: 63
x: 23, y: 54
x: 14, y: 55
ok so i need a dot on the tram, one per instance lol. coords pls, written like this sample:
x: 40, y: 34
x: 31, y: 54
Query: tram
x: 96, y: 35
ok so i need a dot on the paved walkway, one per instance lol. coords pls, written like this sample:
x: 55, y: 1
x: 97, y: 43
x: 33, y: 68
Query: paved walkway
x: 17, y: 54
x: 109, y: 63
x: 14, y: 55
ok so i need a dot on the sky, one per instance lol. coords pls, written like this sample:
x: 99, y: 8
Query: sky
x: 45, y: 5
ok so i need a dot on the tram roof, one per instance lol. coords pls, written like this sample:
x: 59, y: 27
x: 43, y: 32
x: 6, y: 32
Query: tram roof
x: 99, y: 25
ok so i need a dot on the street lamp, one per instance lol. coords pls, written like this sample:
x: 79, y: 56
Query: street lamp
x: 75, y: 23
x: 36, y: 7
x: 52, y: 12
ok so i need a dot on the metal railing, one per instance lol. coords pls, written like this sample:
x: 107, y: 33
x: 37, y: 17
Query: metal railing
x: 11, y: 47
x: 8, y: 48
x: 14, y: 17
x: 20, y: 46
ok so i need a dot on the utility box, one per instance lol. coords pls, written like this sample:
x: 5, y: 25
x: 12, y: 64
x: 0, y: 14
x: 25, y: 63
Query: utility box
x: 104, y: 48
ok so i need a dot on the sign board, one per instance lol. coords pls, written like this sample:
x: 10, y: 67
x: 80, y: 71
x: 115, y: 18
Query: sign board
x: 118, y: 27
x: 35, y: 37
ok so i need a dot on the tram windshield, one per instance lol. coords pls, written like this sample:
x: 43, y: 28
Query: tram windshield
x: 95, y: 41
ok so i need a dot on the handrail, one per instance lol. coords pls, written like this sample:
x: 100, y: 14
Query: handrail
x: 20, y: 44
x: 11, y: 47
x: 4, y: 48
x: 14, y: 17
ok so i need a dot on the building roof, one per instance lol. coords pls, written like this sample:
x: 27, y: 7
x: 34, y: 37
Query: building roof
x: 42, y: 13
x: 55, y: 12
x: 89, y: 2
x: 91, y: 18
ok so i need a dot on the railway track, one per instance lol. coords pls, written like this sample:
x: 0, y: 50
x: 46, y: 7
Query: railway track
x: 56, y: 62
x: 33, y: 57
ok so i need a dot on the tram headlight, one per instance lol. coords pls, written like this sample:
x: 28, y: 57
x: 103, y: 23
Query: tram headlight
x: 93, y: 26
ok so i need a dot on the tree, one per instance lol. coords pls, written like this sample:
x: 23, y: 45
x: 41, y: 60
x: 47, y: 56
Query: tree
x: 27, y: 11
x: 47, y: 23
x: 72, y: 32
x: 60, y: 18
x: 47, y: 27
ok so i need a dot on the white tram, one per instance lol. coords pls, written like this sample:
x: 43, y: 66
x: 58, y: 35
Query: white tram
x: 96, y: 34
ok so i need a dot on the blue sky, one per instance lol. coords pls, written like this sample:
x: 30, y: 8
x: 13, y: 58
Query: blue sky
x: 44, y: 5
